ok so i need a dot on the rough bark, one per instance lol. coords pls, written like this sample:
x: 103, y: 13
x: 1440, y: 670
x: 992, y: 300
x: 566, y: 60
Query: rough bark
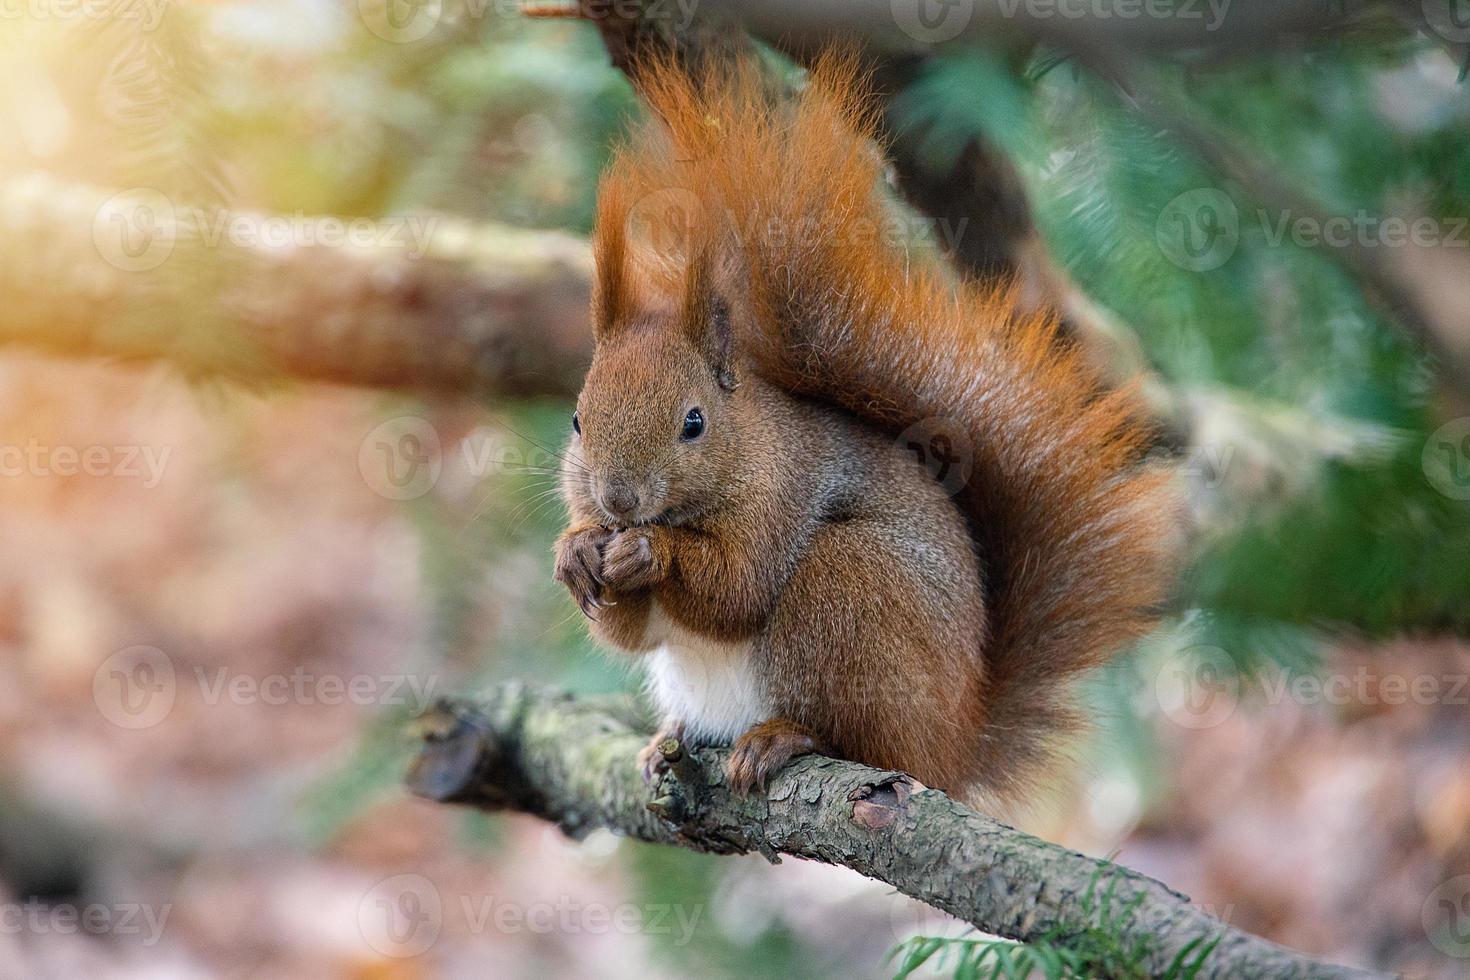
x: 573, y: 762
x: 439, y: 305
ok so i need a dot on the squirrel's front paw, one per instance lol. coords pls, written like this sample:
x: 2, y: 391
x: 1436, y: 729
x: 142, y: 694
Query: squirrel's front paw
x: 634, y: 559
x: 579, y: 561
x: 764, y: 749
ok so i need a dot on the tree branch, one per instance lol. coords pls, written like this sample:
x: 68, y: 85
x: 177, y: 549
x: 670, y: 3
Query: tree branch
x: 573, y: 762
x: 428, y: 303
x: 906, y: 26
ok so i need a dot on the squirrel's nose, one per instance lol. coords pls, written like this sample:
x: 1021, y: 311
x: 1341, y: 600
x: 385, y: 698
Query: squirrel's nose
x: 619, y: 497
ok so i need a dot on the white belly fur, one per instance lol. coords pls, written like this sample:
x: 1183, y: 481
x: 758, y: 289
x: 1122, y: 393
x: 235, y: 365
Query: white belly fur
x: 707, y: 685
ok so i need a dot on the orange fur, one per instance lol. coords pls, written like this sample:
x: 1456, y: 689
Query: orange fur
x: 780, y: 209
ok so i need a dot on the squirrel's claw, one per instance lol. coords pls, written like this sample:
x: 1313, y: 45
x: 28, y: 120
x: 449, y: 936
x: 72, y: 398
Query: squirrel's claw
x: 763, y: 750
x: 579, y: 566
x: 630, y: 561
x: 652, y: 764
x: 651, y: 761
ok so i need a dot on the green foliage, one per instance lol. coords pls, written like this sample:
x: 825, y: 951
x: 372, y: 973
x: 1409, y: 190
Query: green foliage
x: 690, y: 884
x: 1313, y: 534
x: 1096, y: 951
x: 1365, y: 549
x: 372, y: 774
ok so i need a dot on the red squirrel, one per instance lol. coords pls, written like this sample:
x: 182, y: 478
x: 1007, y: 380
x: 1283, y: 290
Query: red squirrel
x: 747, y: 519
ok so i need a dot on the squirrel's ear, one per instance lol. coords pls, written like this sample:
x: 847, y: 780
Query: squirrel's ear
x: 706, y: 317
x: 610, y: 288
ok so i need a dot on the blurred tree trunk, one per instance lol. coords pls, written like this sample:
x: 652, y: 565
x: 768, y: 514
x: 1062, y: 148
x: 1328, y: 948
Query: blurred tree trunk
x: 423, y: 302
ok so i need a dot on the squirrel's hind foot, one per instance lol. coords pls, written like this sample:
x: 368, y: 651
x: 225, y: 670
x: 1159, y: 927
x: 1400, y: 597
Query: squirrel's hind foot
x: 651, y: 761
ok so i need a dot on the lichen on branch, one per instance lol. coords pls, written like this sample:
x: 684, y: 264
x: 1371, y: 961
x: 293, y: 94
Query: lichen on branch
x: 573, y: 762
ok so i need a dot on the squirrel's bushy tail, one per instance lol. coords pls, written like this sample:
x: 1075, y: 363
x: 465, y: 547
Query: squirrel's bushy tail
x: 1073, y: 533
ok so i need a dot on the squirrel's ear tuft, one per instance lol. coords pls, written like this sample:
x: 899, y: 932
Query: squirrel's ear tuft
x: 628, y: 276
x: 706, y: 317
x: 610, y: 254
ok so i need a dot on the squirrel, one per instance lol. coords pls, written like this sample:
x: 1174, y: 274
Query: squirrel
x: 751, y: 512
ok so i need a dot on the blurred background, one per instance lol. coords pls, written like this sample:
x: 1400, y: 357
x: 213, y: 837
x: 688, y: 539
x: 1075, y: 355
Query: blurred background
x: 292, y: 305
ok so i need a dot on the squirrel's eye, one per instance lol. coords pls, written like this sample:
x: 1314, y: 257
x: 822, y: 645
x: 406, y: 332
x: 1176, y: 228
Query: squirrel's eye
x: 576, y: 423
x: 693, y: 425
